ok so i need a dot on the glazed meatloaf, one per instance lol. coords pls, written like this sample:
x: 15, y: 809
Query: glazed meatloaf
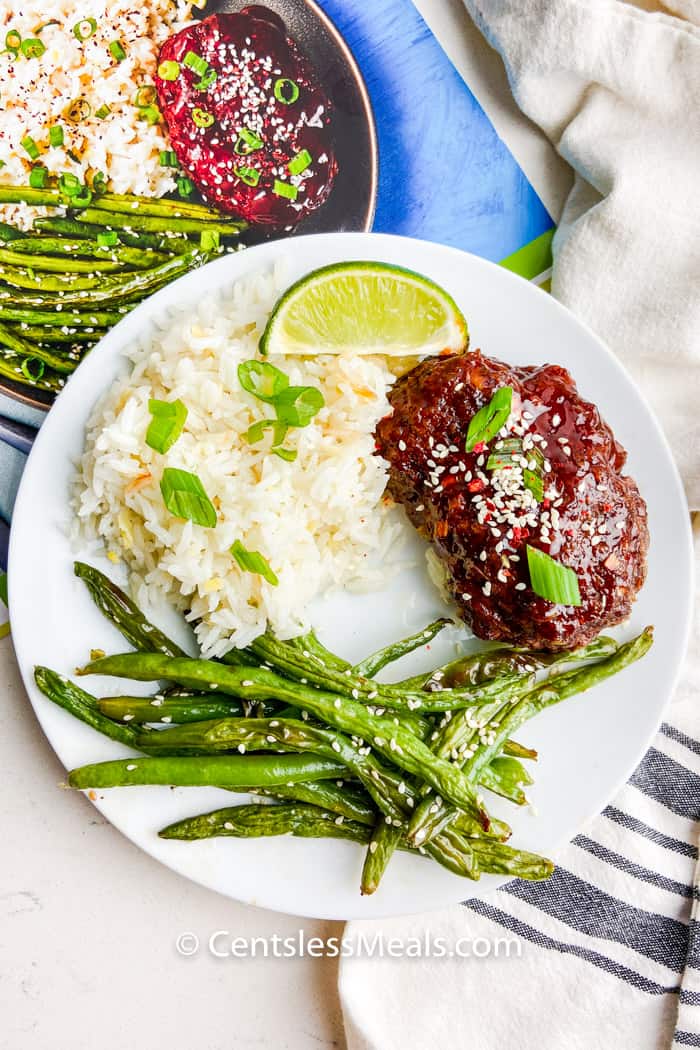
x: 550, y: 479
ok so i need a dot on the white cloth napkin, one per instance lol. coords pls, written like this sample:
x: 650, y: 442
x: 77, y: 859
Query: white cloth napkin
x: 610, y: 947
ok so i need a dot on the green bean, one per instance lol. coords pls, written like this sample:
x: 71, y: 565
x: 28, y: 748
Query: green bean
x: 155, y: 224
x: 371, y: 665
x: 59, y: 363
x: 173, y: 244
x: 51, y: 264
x: 241, y: 772
x: 117, y: 606
x: 506, y: 777
x: 339, y: 798
x: 429, y: 819
x: 60, y: 319
x: 60, y: 690
x: 164, y: 709
x: 161, y: 207
x: 255, y: 821
x: 499, y: 859
x: 84, y: 249
x: 11, y: 367
x: 10, y: 233
x: 396, y: 743
x: 44, y: 335
x: 512, y: 747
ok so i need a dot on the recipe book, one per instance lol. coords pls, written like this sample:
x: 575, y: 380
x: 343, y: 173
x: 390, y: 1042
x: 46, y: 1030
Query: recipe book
x: 444, y: 174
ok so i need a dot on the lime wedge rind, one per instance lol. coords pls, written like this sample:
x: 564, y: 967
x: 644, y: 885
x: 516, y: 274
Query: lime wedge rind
x: 365, y: 307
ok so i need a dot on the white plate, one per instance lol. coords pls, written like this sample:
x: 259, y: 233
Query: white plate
x: 588, y: 746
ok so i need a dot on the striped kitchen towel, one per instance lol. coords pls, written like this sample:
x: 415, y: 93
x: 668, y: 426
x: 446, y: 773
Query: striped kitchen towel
x: 608, y: 950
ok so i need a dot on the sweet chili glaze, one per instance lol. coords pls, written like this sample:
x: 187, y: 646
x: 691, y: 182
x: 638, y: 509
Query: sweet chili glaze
x: 256, y: 138
x: 480, y: 521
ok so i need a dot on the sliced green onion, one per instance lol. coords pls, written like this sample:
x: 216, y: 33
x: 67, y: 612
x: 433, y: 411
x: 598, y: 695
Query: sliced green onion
x: 38, y: 177
x: 508, y: 450
x: 184, y: 496
x: 151, y: 114
x: 69, y: 184
x: 285, y: 189
x: 99, y: 182
x: 297, y: 405
x: 13, y: 41
x: 168, y: 158
x: 551, y: 580
x: 82, y: 200
x: 535, y: 484
x: 32, y: 47
x: 30, y: 146
x: 45, y: 25
x: 84, y: 29
x: 169, y: 70
x: 78, y: 110
x: 256, y: 431
x: 145, y: 95
x: 209, y: 240
x: 166, y: 425
x: 247, y: 142
x: 253, y: 561
x: 108, y: 239
x: 287, y: 454
x: 262, y: 380
x: 196, y: 63
x: 56, y: 136
x: 103, y: 112
x: 184, y: 186
x: 206, y: 81
x: 201, y: 118
x: 250, y: 176
x: 39, y: 368
x: 117, y: 51
x: 488, y: 420
x: 300, y: 163
x: 286, y: 91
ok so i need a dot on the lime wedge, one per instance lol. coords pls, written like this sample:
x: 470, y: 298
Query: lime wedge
x: 365, y: 308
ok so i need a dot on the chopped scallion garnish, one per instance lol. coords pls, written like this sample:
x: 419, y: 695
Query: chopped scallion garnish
x: 488, y: 420
x: 286, y: 91
x: 168, y: 158
x: 206, y: 81
x: 117, y: 51
x: 151, y: 114
x: 534, y: 483
x: 297, y: 405
x: 56, y: 135
x: 250, y: 176
x: 166, y: 425
x: 145, y: 95
x: 69, y: 184
x: 551, y: 580
x: 32, y: 368
x: 45, y: 25
x: 32, y: 47
x: 247, y: 142
x: 184, y: 186
x: 30, y: 146
x: 253, y: 561
x: 169, y: 70
x: 209, y: 240
x: 287, y: 454
x: 84, y: 29
x: 300, y: 163
x: 184, y: 496
x: 285, y: 189
x: 78, y: 110
x: 262, y: 380
x: 13, y: 41
x: 99, y: 182
x: 103, y: 112
x: 201, y: 118
x: 38, y: 177
x: 196, y: 63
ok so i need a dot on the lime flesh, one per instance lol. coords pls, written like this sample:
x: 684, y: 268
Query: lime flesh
x: 365, y: 308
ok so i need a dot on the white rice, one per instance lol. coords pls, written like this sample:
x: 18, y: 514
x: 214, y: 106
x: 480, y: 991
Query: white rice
x: 36, y: 92
x: 320, y: 521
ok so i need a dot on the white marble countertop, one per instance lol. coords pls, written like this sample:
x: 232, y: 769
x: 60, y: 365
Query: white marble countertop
x: 88, y: 923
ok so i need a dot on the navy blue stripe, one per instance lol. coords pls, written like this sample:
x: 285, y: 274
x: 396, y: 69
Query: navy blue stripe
x: 693, y: 958
x: 687, y: 1039
x: 529, y: 933
x: 669, y: 783
x: 630, y: 868
x: 681, y: 738
x: 586, y: 908
x: 687, y: 849
x: 690, y: 998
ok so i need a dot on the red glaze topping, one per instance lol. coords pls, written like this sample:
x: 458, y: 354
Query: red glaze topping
x: 481, y: 520
x: 252, y: 128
